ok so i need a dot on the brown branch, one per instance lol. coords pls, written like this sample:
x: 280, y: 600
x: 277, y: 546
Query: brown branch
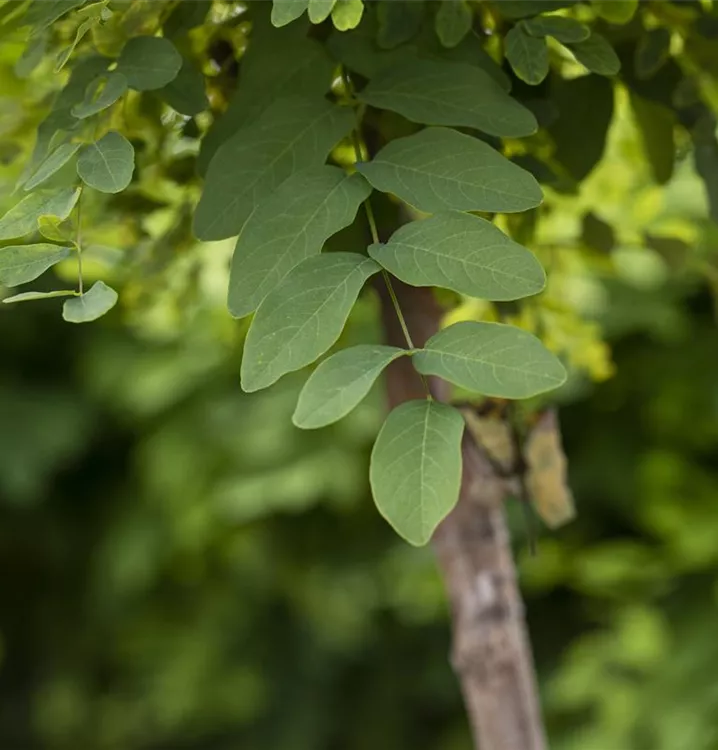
x: 491, y: 654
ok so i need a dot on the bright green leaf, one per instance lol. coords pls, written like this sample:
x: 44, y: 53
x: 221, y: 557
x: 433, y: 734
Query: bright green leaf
x: 290, y: 225
x: 439, y: 169
x: 453, y: 21
x: 522, y: 8
x: 302, y: 316
x: 31, y: 296
x: 186, y: 93
x: 461, y: 252
x: 340, y: 383
x: 107, y: 165
x: 54, y: 162
x: 597, y: 55
x: 22, y: 218
x: 102, y: 93
x: 492, y: 359
x: 319, y: 10
x: 528, y: 55
x: 435, y: 92
x: 91, y: 305
x: 149, y: 62
x: 286, y: 11
x: 559, y: 27
x: 22, y: 263
x: 616, y: 11
x: 415, y: 469
x: 347, y: 14
x: 293, y: 134
x: 51, y: 228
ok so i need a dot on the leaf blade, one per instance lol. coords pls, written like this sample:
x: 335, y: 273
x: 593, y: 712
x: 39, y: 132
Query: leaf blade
x: 528, y: 55
x: 562, y: 29
x: 115, y: 86
x: 91, y: 305
x: 22, y: 263
x: 32, y: 296
x: 149, y: 62
x: 108, y: 164
x: 52, y: 164
x: 22, y: 218
x: 596, y: 54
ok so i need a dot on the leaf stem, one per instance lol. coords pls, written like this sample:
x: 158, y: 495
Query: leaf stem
x: 78, y: 242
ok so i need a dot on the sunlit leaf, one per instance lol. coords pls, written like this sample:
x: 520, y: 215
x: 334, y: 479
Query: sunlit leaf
x: 286, y: 11
x: 22, y: 263
x: 149, y: 62
x: 415, y: 469
x: 559, y: 27
x: 347, y: 14
x: 91, y: 305
x: 22, y: 218
x: 51, y: 228
x: 289, y: 226
x: 527, y: 54
x: 302, y: 316
x: 461, y: 252
x: 107, y: 165
x: 435, y: 92
x: 453, y: 21
x: 596, y: 54
x: 616, y: 11
x: 492, y: 359
x: 340, y: 383
x: 319, y: 10
x: 54, y: 162
x: 102, y: 93
x: 439, y: 169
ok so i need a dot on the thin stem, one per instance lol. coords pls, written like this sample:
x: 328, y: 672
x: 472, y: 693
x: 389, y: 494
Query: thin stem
x: 78, y: 242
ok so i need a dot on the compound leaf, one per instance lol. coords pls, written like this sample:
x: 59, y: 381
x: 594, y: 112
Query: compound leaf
x: 91, y: 305
x: 22, y: 263
x: 107, y: 165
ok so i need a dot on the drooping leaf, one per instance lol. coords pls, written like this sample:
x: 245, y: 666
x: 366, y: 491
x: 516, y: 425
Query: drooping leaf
x: 319, y: 10
x: 415, y: 469
x: 492, y: 359
x: 102, y: 93
x: 31, y: 296
x: 107, y: 165
x: 22, y: 263
x: 293, y: 134
x: 290, y: 225
x: 54, y: 162
x: 514, y: 9
x: 461, y: 252
x: 149, y: 62
x: 22, y: 218
x: 41, y: 15
x: 82, y: 29
x: 656, y: 124
x: 340, y: 383
x: 347, y: 14
x: 302, y: 316
x: 527, y: 54
x: 52, y: 228
x: 434, y: 92
x: 440, y: 169
x: 652, y: 50
x: 453, y: 21
x: 596, y: 54
x: 186, y: 92
x: 91, y: 305
x: 286, y: 11
x: 563, y: 29
x: 398, y: 21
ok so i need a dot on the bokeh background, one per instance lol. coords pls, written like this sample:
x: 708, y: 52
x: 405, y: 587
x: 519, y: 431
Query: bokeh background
x: 181, y: 569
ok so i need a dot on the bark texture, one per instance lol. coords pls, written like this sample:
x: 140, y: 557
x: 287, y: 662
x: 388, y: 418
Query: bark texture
x: 491, y: 654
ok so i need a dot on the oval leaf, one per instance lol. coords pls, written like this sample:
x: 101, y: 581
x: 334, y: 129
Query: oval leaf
x: 102, y: 93
x: 186, y: 93
x: 292, y: 224
x: 22, y: 263
x: 22, y: 218
x: 441, y: 169
x: 90, y: 306
x: 464, y: 253
x: 597, y: 55
x: 528, y: 55
x: 319, y: 10
x: 340, y: 383
x: 303, y: 316
x: 415, y: 469
x: 149, y: 62
x: 435, y: 92
x: 107, y: 165
x: 31, y: 296
x: 453, y: 22
x: 491, y: 358
x: 54, y: 162
x: 347, y: 14
x: 286, y: 11
x: 291, y: 135
x: 559, y: 27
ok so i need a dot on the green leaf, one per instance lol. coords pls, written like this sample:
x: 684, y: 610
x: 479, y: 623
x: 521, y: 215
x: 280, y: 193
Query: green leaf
x: 286, y: 11
x: 293, y: 134
x: 31, y: 296
x: 93, y: 304
x: 464, y: 253
x: 652, y: 50
x: 41, y: 14
x: 521, y: 8
x: 22, y: 263
x: 22, y: 218
x: 597, y: 55
x: 347, y: 14
x: 439, y: 169
x: 399, y: 21
x: 656, y: 124
x: 453, y: 22
x: 82, y: 29
x: 563, y: 29
x: 491, y: 358
x: 319, y: 10
x: 616, y: 11
x: 302, y: 316
x: 186, y: 93
x: 434, y: 92
x: 31, y: 56
x: 54, y: 162
x: 290, y: 225
x: 51, y: 228
x: 528, y: 55
x: 340, y: 383
x: 107, y: 165
x: 149, y: 62
x: 415, y: 469
x: 99, y: 96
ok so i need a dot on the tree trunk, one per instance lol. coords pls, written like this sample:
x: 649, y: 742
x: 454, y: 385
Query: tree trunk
x: 491, y: 654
